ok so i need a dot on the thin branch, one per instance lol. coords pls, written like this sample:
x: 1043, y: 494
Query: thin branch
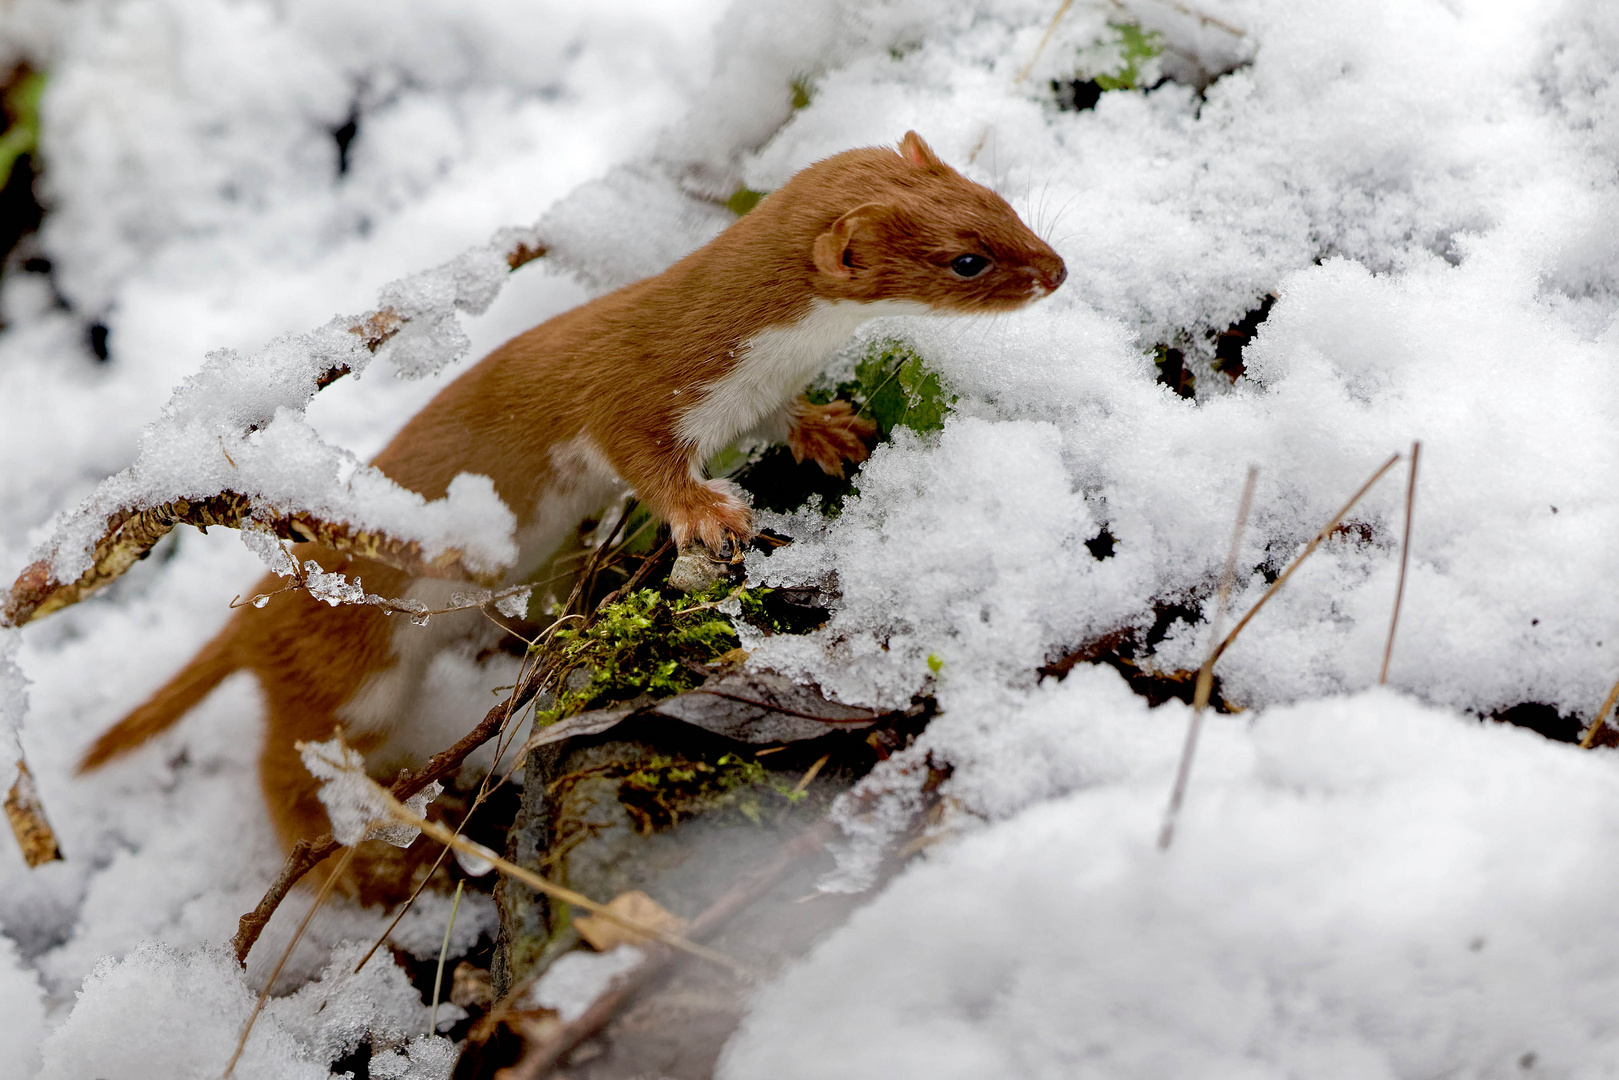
x: 307, y: 854
x: 1405, y: 555
x: 132, y: 531
x: 1205, y: 674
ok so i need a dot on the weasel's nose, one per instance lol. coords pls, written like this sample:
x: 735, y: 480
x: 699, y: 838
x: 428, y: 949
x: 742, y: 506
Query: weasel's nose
x: 1053, y: 274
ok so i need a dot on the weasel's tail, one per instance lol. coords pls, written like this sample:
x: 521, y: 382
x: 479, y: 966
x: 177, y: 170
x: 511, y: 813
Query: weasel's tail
x: 165, y: 708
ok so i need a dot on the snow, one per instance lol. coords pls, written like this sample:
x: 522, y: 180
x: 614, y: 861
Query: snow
x: 1425, y: 908
x: 1365, y: 882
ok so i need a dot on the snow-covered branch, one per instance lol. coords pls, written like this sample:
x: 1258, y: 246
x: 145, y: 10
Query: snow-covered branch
x: 233, y: 448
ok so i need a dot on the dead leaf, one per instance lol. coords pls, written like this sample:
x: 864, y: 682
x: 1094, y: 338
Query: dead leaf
x: 604, y: 935
x: 27, y: 816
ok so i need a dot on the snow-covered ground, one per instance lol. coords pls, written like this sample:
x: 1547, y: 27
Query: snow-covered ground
x: 1366, y: 882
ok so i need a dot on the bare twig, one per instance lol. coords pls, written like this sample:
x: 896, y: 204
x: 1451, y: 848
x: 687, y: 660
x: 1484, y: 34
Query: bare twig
x: 1405, y: 555
x: 1601, y: 718
x: 1205, y: 674
x: 307, y: 854
x: 540, y: 1060
x: 403, y: 814
x: 1167, y: 833
x: 275, y: 973
x: 1045, y: 39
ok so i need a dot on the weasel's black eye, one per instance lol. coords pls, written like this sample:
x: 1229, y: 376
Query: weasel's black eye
x: 969, y: 265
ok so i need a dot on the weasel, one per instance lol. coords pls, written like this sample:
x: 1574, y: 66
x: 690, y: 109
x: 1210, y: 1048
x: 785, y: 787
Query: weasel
x: 634, y: 390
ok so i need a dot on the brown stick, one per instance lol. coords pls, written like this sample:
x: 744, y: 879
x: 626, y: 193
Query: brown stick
x: 540, y: 1060
x: 1205, y: 674
x: 1405, y: 555
x: 1309, y: 549
x: 308, y: 854
x: 275, y: 973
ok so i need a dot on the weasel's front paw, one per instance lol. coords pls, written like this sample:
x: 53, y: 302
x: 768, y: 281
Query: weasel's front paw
x: 829, y: 435
x: 713, y: 514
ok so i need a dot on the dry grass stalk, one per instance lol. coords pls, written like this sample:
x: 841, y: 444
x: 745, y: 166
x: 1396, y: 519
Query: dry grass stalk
x: 275, y: 973
x: 1601, y: 718
x: 1045, y: 39
x: 1205, y: 674
x: 1405, y: 557
x: 404, y: 815
x: 27, y: 816
x: 443, y: 951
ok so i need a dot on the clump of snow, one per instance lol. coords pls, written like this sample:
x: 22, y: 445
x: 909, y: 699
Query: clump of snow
x: 576, y: 979
x: 352, y: 800
x: 160, y: 1014
x: 13, y: 702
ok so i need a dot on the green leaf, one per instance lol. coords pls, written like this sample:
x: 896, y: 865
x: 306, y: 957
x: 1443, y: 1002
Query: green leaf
x: 743, y: 199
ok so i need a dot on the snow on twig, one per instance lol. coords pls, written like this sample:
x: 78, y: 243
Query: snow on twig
x: 232, y: 448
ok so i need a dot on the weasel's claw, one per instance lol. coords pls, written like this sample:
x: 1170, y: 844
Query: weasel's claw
x: 731, y: 550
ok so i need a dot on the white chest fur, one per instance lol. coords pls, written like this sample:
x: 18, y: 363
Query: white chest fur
x: 774, y: 366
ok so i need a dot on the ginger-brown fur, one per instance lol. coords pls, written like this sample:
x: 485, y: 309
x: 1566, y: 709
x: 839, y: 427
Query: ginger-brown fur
x: 615, y: 387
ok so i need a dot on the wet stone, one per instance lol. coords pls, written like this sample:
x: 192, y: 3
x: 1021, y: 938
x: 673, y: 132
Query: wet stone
x: 682, y: 812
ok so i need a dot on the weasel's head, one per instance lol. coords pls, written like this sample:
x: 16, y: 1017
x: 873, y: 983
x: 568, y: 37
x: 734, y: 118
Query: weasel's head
x: 923, y: 232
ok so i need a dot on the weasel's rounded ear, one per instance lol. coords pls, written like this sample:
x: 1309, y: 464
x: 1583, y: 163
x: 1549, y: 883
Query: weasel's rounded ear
x: 831, y: 250
x: 919, y: 153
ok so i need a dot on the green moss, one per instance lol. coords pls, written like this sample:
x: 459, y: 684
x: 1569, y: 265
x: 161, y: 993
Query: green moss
x: 666, y: 789
x: 803, y: 93
x: 639, y: 645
